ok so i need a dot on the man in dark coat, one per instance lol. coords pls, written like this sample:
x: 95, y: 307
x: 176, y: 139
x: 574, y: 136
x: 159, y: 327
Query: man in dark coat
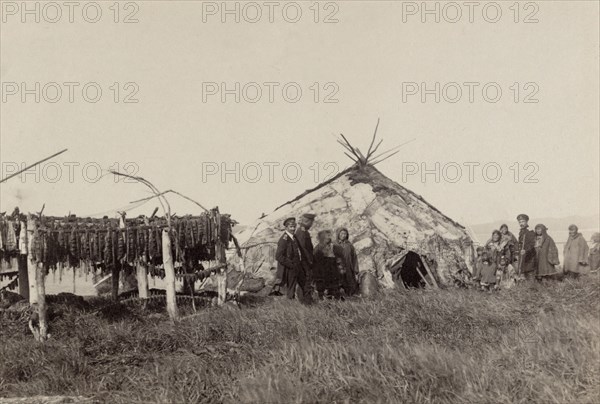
x: 289, y: 261
x: 526, y: 265
x: 307, y: 250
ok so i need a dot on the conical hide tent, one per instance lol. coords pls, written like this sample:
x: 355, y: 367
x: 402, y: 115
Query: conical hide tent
x: 384, y: 219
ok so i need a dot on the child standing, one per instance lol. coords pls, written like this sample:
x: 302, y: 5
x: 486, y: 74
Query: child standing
x: 328, y: 266
x: 350, y: 270
x: 505, y: 275
x: 488, y: 273
x: 478, y: 262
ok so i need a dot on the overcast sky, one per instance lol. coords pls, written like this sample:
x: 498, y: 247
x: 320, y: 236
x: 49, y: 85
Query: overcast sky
x: 180, y: 135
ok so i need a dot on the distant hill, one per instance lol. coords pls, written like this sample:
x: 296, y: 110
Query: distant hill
x: 591, y: 222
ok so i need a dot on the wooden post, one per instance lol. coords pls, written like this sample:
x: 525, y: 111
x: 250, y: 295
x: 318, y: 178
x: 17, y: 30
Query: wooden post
x: 36, y: 271
x: 169, y: 274
x: 41, y: 292
x: 114, y: 280
x: 189, y: 284
x: 117, y: 266
x: 142, y: 279
x: 221, y: 275
x: 74, y: 280
x: 23, y: 276
x: 31, y: 264
x: 242, y: 265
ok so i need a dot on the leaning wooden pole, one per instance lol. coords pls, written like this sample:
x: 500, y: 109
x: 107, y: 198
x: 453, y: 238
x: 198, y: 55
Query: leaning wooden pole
x: 422, y: 276
x: 429, y: 272
x: 32, y: 165
x: 169, y: 274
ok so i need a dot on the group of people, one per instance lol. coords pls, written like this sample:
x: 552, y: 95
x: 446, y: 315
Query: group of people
x: 329, y: 269
x: 506, y: 259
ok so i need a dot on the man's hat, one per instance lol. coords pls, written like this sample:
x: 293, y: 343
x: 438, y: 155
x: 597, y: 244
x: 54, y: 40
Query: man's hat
x: 523, y: 216
x: 288, y: 220
x: 310, y: 216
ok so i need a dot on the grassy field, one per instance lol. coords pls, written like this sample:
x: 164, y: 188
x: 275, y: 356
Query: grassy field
x: 536, y: 343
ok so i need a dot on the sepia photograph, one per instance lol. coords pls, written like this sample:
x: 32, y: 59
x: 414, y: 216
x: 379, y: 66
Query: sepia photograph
x: 298, y: 202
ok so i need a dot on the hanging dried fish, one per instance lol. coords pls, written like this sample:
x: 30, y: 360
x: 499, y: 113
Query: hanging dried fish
x: 92, y: 246
x: 176, y: 234
x: 152, y: 248
x: 131, y: 244
x: 23, y: 238
x: 72, y: 248
x: 2, y: 233
x: 120, y: 245
x: 158, y: 238
x: 174, y: 247
x: 37, y: 246
x: 43, y: 247
x: 114, y: 238
x: 108, y: 248
x: 61, y: 244
x: 180, y: 235
x: 84, y: 246
x: 142, y: 245
x: 189, y: 234
x: 11, y: 237
x: 101, y: 245
x: 79, y: 251
x: 207, y: 230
